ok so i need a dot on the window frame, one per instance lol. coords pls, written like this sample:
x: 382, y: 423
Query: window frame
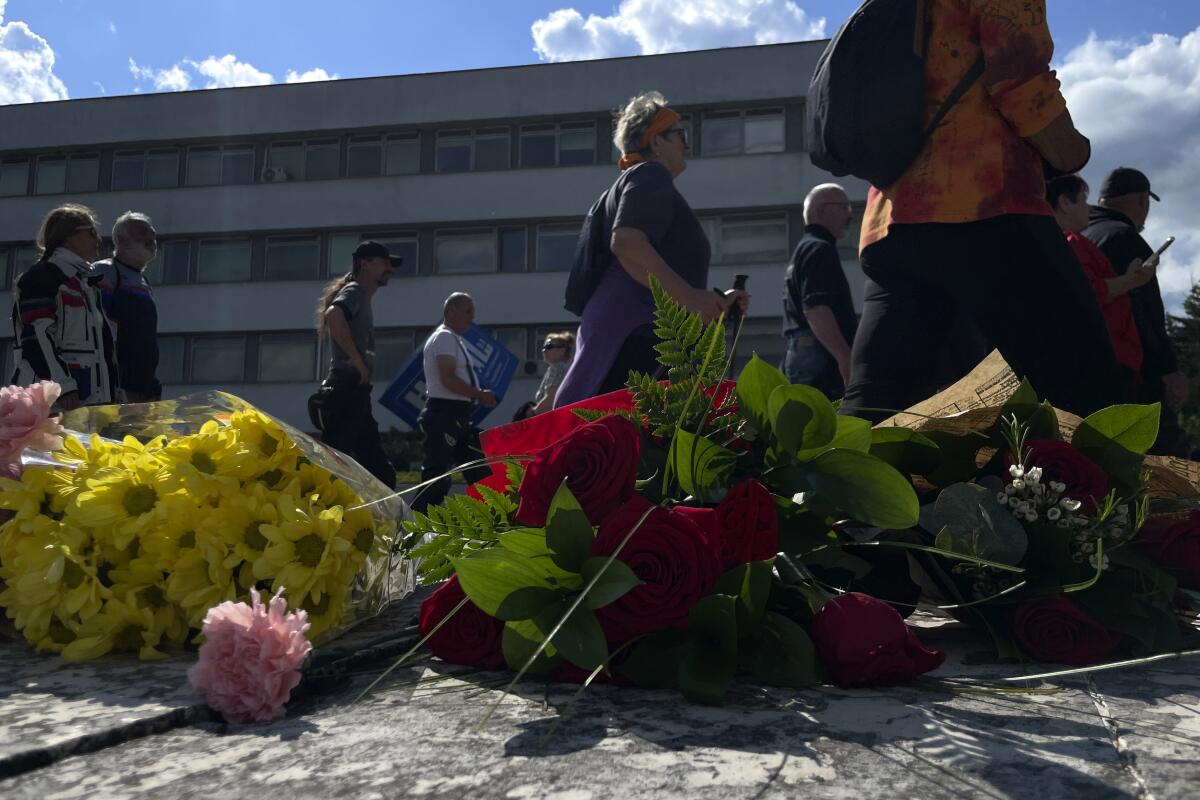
x: 714, y: 228
x: 221, y: 150
x: 195, y: 275
x: 283, y: 239
x: 30, y: 167
x: 542, y: 229
x: 267, y: 337
x: 471, y: 137
x: 194, y: 339
x: 438, y: 235
x: 742, y: 114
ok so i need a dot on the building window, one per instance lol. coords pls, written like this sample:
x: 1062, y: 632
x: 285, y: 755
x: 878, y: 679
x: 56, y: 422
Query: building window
x: 220, y: 166
x: 398, y: 244
x: 223, y: 261
x: 218, y: 360
x: 512, y: 250
x: 393, y: 348
x: 556, y: 247
x: 156, y: 169
x: 727, y: 133
x: 403, y: 155
x: 287, y: 358
x: 568, y: 144
x: 460, y: 252
x: 465, y: 150
x: 515, y: 341
x: 305, y: 161
x: 293, y: 258
x: 364, y: 158
x: 14, y: 177
x: 748, y: 238
x: 172, y: 263
x: 59, y: 174
x: 170, y: 360
x: 341, y: 252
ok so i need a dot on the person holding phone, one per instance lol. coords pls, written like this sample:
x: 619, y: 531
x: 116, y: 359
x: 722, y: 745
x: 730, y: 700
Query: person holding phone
x: 1115, y: 226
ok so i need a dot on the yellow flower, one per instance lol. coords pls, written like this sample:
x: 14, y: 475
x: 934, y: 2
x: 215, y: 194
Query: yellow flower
x: 305, y: 554
x: 238, y: 520
x: 125, y: 502
x: 208, y: 463
x: 269, y: 446
x: 119, y: 626
x: 326, y: 612
x: 141, y: 584
x: 198, y: 583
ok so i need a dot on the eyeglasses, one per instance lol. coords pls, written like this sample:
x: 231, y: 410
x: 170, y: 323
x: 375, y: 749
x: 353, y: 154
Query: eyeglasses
x: 683, y: 135
x: 551, y: 346
x: 91, y: 231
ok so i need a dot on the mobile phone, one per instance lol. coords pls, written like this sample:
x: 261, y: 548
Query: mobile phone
x: 1170, y: 241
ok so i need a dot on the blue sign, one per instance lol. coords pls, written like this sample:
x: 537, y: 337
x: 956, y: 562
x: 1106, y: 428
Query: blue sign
x: 494, y: 366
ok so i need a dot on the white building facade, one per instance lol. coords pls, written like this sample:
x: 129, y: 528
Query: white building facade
x: 480, y: 179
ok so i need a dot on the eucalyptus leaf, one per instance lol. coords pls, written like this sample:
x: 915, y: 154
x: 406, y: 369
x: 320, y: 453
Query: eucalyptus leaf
x: 863, y: 488
x: 699, y: 464
x: 801, y: 417
x: 754, y: 386
x: 615, y: 581
x: 503, y: 584
x: 971, y: 521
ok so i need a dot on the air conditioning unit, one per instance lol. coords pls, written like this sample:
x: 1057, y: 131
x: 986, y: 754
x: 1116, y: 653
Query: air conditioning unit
x: 274, y: 175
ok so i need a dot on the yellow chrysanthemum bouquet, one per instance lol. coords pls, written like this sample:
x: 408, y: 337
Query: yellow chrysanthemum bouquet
x: 150, y: 515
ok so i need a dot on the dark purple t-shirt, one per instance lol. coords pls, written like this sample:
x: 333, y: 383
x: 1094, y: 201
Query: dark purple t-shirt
x: 644, y: 198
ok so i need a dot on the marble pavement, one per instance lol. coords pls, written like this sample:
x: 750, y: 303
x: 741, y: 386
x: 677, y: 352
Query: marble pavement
x: 120, y: 729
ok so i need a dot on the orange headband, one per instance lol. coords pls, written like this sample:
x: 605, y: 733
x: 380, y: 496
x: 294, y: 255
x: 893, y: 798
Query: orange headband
x: 664, y: 121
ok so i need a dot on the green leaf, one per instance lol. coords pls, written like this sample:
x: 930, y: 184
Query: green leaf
x: 503, y: 584
x: 1132, y: 427
x: 704, y: 674
x: 910, y: 452
x: 782, y: 654
x: 614, y: 582
x: 864, y: 488
x: 519, y: 641
x: 714, y: 618
x: 754, y: 387
x: 969, y: 520
x: 751, y: 585
x: 569, y: 534
x: 852, y: 434
x: 531, y: 543
x: 699, y: 464
x: 801, y: 417
x: 580, y: 640
x: 654, y: 661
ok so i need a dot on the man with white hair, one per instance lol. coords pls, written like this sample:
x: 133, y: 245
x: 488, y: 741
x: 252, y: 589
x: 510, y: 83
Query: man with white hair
x: 129, y: 304
x: 818, y: 313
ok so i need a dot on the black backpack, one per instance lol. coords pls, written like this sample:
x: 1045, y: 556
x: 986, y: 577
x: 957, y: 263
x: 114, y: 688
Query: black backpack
x: 591, y: 258
x: 866, y: 101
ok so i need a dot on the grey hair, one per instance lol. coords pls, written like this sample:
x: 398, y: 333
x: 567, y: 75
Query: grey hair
x: 130, y: 219
x: 815, y: 197
x: 635, y: 118
x: 456, y: 300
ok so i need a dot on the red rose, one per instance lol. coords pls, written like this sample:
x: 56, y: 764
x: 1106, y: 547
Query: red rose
x: 744, y: 524
x: 864, y: 642
x: 1061, y: 462
x: 599, y: 462
x: 1055, y: 630
x: 470, y: 637
x: 675, y: 559
x: 1175, y: 545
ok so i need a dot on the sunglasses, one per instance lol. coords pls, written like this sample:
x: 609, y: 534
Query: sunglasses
x: 683, y: 135
x: 551, y: 346
x: 91, y: 231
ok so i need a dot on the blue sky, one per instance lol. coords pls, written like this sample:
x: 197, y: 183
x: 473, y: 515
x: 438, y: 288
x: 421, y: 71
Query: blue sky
x: 371, y: 37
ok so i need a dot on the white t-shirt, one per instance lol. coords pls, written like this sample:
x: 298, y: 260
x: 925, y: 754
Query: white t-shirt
x: 444, y: 342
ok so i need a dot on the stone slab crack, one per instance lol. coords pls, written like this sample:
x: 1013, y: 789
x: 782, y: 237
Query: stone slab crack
x: 1125, y: 754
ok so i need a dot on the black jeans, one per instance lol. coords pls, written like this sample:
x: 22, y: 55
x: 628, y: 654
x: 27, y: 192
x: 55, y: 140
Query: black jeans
x: 637, y: 354
x: 351, y: 428
x: 447, y: 428
x: 1020, y: 283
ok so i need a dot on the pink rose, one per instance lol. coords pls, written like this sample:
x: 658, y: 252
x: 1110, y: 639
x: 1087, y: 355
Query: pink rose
x: 25, y: 420
x: 250, y: 660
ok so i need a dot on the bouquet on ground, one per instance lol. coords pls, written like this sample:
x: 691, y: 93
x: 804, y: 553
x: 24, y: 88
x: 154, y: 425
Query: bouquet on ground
x: 673, y: 536
x: 127, y: 527
x: 1047, y: 518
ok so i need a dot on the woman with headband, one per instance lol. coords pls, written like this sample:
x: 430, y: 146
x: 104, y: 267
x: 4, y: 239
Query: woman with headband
x: 650, y: 230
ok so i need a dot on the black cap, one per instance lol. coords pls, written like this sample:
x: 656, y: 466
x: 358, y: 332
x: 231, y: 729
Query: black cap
x: 1125, y: 180
x: 376, y: 250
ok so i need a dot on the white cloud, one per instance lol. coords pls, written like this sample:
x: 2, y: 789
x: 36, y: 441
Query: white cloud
x: 311, y: 75
x: 100, y: 87
x: 640, y: 27
x: 228, y: 71
x: 112, y: 28
x: 1139, y: 103
x: 26, y: 65
x: 171, y: 79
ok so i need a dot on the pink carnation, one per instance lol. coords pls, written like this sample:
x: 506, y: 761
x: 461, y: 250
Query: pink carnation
x: 250, y: 660
x: 25, y: 420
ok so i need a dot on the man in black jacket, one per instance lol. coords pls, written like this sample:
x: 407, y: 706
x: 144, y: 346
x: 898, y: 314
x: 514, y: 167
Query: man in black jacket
x: 1115, y: 227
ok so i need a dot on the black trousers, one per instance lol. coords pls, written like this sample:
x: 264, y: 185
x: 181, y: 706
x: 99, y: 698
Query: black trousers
x: 447, y: 428
x: 350, y: 427
x: 637, y: 353
x: 1016, y: 278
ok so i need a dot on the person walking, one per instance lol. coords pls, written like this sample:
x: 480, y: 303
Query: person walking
x: 129, y: 305
x: 59, y: 325
x: 818, y: 312
x: 344, y: 315
x: 1115, y: 226
x: 452, y: 392
x: 649, y: 230
x: 967, y: 226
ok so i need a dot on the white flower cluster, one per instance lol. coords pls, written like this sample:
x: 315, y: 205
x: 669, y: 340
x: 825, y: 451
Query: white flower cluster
x: 1031, y: 500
